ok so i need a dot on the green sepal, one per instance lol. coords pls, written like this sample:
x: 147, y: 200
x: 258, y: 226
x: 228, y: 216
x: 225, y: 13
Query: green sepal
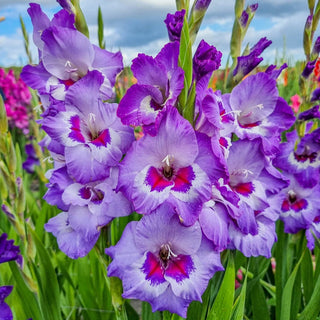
x: 185, y: 62
x: 80, y: 20
x: 102, y: 43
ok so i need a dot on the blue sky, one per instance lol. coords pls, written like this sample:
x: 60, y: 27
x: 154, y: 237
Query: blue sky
x: 137, y: 26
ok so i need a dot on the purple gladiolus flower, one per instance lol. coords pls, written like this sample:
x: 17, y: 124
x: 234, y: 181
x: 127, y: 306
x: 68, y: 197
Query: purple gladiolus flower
x: 5, y: 311
x: 315, y: 95
x: 89, y: 207
x: 273, y: 72
x: 308, y: 69
x: 302, y: 161
x: 66, y: 56
x: 298, y: 206
x: 174, y: 23
x: 312, y: 113
x: 176, y: 167
x: 163, y: 262
x: 93, y: 137
x: 259, y: 111
x: 160, y: 81
x: 206, y: 60
x: 8, y: 252
x: 247, y: 63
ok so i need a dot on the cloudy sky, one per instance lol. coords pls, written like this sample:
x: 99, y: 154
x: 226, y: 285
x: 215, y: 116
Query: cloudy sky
x: 135, y: 26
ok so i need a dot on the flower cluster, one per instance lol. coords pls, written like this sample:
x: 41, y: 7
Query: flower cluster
x: 86, y: 139
x: 202, y: 185
x: 16, y: 97
x: 8, y: 252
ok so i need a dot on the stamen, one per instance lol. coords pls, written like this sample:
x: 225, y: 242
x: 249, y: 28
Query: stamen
x: 167, y: 169
x: 91, y: 124
x: 244, y: 172
x: 166, y: 253
x: 166, y: 160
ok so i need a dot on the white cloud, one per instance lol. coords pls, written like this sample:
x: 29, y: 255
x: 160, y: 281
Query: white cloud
x: 137, y: 25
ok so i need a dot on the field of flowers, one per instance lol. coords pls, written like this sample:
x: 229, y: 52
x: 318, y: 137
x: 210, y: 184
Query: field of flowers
x: 172, y: 188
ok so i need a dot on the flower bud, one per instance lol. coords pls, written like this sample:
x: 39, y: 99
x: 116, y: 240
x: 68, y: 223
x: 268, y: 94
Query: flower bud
x: 174, y: 23
x: 308, y: 69
x: 206, y: 59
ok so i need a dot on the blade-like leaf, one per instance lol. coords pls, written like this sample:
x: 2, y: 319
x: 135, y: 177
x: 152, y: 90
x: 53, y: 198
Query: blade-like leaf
x: 222, y: 306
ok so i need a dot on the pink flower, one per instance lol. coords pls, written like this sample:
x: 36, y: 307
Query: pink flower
x: 296, y: 101
x: 17, y: 97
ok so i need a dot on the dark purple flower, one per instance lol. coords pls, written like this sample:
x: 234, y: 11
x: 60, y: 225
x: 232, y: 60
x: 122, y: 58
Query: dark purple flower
x: 174, y: 23
x: 244, y: 19
x: 247, y: 63
x: 67, y: 5
x: 206, y: 60
x: 8, y: 252
x: 316, y: 47
x: 202, y: 4
x: 315, y: 95
x: 32, y: 159
x: 5, y: 311
x: 253, y: 7
x: 308, y: 69
x: 163, y: 262
x: 312, y: 113
x: 273, y: 72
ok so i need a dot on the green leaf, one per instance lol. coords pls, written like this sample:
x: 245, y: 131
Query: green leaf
x: 27, y: 297
x: 307, y: 275
x: 259, y: 303
x: 222, y: 306
x: 147, y: 313
x: 48, y: 284
x: 288, y: 291
x: 312, y: 309
x: 238, y: 308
